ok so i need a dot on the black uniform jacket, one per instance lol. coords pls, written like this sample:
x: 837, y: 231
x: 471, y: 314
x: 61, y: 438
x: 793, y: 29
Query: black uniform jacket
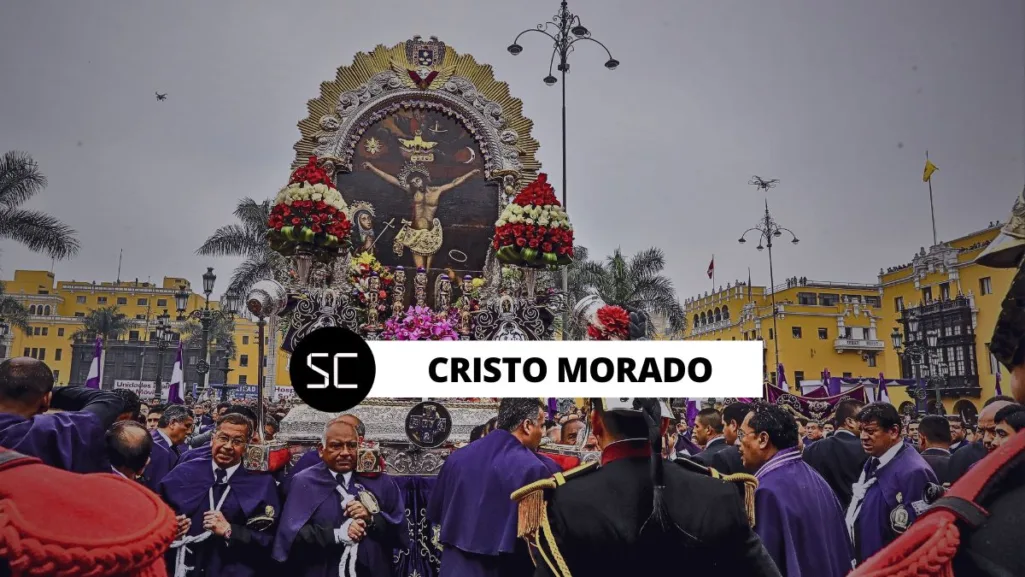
x: 939, y: 460
x: 964, y: 458
x: 596, y: 518
x: 839, y: 459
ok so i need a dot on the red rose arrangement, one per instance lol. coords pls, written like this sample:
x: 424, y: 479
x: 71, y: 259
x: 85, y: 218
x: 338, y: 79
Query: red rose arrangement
x: 534, y: 229
x: 612, y: 323
x: 309, y: 211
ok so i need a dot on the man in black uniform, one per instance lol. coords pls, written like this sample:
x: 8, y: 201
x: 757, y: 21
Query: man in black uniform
x: 840, y: 458
x: 631, y: 514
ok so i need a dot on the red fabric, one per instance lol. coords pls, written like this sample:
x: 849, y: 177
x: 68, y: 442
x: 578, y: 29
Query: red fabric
x: 928, y: 547
x: 625, y: 450
x: 55, y: 524
x: 566, y: 462
x: 278, y: 459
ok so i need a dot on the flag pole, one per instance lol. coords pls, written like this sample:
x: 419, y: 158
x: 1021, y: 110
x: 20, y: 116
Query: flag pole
x: 713, y: 274
x: 932, y: 209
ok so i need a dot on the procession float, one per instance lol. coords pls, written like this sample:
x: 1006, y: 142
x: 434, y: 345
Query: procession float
x: 416, y: 209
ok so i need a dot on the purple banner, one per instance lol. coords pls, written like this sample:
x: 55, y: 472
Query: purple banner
x: 817, y: 405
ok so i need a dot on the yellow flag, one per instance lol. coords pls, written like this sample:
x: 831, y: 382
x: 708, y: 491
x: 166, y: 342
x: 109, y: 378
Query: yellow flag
x: 929, y: 169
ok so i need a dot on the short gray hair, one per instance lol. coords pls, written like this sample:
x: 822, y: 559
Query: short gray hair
x: 174, y: 414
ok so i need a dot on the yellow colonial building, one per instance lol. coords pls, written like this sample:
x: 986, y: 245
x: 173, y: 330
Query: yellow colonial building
x: 58, y: 308
x: 848, y: 328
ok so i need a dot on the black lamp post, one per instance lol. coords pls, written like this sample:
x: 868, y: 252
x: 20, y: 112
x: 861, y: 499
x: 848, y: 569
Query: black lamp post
x: 164, y: 335
x: 206, y: 317
x: 564, y: 30
x: 769, y: 229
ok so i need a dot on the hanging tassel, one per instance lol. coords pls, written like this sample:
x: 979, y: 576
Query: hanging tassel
x: 531, y: 508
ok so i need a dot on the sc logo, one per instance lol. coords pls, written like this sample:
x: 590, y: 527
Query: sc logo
x: 332, y: 369
x: 335, y: 370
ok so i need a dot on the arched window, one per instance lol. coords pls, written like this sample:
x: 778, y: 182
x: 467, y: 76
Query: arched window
x: 718, y: 314
x: 46, y: 310
x: 725, y: 313
x: 703, y: 318
x: 697, y: 320
x: 32, y: 310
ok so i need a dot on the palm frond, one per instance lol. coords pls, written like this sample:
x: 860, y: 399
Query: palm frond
x: 14, y: 313
x: 39, y: 232
x: 253, y: 214
x: 232, y: 240
x: 647, y: 263
x: 252, y: 271
x: 106, y: 322
x: 20, y: 178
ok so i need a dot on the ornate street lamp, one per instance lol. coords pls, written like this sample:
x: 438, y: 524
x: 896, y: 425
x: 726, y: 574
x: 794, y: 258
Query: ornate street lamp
x: 769, y: 229
x: 164, y: 336
x: 206, y: 317
x: 565, y: 30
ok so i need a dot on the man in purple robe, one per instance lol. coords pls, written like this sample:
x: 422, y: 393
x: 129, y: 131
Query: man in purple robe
x: 797, y: 516
x: 312, y: 457
x: 175, y: 424
x: 201, y: 443
x: 890, y: 492
x: 73, y: 439
x: 228, y: 513
x: 337, y: 522
x: 470, y: 499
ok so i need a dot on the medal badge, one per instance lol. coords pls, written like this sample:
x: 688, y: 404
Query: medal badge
x: 367, y: 499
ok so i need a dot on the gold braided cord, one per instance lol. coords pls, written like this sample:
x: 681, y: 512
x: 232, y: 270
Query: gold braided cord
x: 750, y: 485
x: 546, y: 528
x: 537, y: 542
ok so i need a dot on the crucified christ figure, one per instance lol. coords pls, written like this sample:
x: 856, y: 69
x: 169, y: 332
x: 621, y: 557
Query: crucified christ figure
x: 423, y: 235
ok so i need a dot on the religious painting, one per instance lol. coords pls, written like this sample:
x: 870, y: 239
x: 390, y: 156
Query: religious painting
x: 418, y: 194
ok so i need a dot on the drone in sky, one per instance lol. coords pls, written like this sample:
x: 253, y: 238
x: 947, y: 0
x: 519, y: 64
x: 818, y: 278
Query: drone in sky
x: 763, y: 184
x: 161, y: 96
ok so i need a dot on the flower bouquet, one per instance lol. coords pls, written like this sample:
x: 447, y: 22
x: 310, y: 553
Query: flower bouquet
x: 611, y: 323
x: 309, y: 213
x: 360, y: 271
x: 419, y: 324
x: 534, y: 230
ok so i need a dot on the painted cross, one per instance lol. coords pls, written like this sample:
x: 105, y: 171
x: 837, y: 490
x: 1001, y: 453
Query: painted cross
x: 428, y: 424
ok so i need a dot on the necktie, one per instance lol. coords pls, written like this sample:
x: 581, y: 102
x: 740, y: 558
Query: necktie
x: 220, y: 484
x: 341, y: 482
x: 870, y: 468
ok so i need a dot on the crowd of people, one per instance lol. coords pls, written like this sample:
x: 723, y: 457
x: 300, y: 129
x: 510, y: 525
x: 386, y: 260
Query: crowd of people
x: 744, y: 489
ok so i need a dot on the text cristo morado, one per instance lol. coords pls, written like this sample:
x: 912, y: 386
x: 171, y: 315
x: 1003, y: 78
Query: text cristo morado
x: 568, y: 368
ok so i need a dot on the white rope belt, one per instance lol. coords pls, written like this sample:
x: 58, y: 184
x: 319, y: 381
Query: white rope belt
x: 859, y: 490
x: 347, y: 565
x: 182, y: 545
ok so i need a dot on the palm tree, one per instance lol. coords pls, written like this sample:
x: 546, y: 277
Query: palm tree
x: 106, y: 322
x: 635, y: 283
x: 246, y: 239
x: 20, y: 180
x: 222, y: 333
x: 12, y: 311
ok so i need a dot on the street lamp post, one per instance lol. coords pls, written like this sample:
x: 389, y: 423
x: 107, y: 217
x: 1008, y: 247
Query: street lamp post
x: 769, y: 229
x: 564, y: 30
x: 164, y: 335
x: 206, y: 317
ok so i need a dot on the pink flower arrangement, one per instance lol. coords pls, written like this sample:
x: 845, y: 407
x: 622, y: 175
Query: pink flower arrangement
x: 419, y: 324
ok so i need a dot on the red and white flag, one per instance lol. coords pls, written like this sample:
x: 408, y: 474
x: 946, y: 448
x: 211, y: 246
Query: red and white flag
x: 711, y: 268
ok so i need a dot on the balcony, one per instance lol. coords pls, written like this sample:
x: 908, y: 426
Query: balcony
x: 858, y: 345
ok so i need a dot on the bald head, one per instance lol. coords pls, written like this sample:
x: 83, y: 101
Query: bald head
x: 343, y: 423
x: 128, y: 447
x: 987, y: 423
x: 361, y: 429
x: 25, y: 384
x: 340, y: 446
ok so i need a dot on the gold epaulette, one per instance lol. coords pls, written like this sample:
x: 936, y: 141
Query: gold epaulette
x: 532, y: 524
x: 531, y: 499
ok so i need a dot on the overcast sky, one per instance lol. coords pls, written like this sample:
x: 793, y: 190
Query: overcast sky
x: 838, y: 99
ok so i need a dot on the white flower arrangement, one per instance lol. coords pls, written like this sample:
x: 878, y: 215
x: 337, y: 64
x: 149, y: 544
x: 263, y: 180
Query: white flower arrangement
x: 550, y: 216
x: 294, y: 192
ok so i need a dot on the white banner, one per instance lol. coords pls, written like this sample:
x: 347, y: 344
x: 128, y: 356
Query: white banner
x: 145, y: 389
x: 697, y: 369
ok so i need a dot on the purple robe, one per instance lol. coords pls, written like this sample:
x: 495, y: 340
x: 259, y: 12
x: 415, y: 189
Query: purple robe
x: 252, y: 496
x: 72, y: 441
x: 202, y: 452
x: 471, y: 500
x: 799, y: 519
x: 907, y: 475
x: 313, y: 499
x: 161, y: 460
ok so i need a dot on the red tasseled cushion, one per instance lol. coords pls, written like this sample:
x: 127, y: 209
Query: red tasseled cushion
x: 56, y: 523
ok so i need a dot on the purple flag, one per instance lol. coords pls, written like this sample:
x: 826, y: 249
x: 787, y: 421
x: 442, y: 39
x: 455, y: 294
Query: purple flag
x: 998, y: 391
x: 832, y: 389
x: 553, y: 407
x: 692, y: 412
x: 174, y: 390
x: 781, y: 378
x: 96, y: 367
x: 882, y: 395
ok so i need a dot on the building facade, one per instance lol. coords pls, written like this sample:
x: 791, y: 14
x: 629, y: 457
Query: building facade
x: 848, y: 328
x: 58, y: 310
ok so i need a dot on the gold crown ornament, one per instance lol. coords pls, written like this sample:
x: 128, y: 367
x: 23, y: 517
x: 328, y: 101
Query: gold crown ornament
x: 1007, y: 249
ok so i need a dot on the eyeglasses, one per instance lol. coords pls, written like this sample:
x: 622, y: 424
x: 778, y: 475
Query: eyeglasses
x: 233, y: 441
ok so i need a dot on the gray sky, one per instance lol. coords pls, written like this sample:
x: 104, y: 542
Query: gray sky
x: 839, y: 99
